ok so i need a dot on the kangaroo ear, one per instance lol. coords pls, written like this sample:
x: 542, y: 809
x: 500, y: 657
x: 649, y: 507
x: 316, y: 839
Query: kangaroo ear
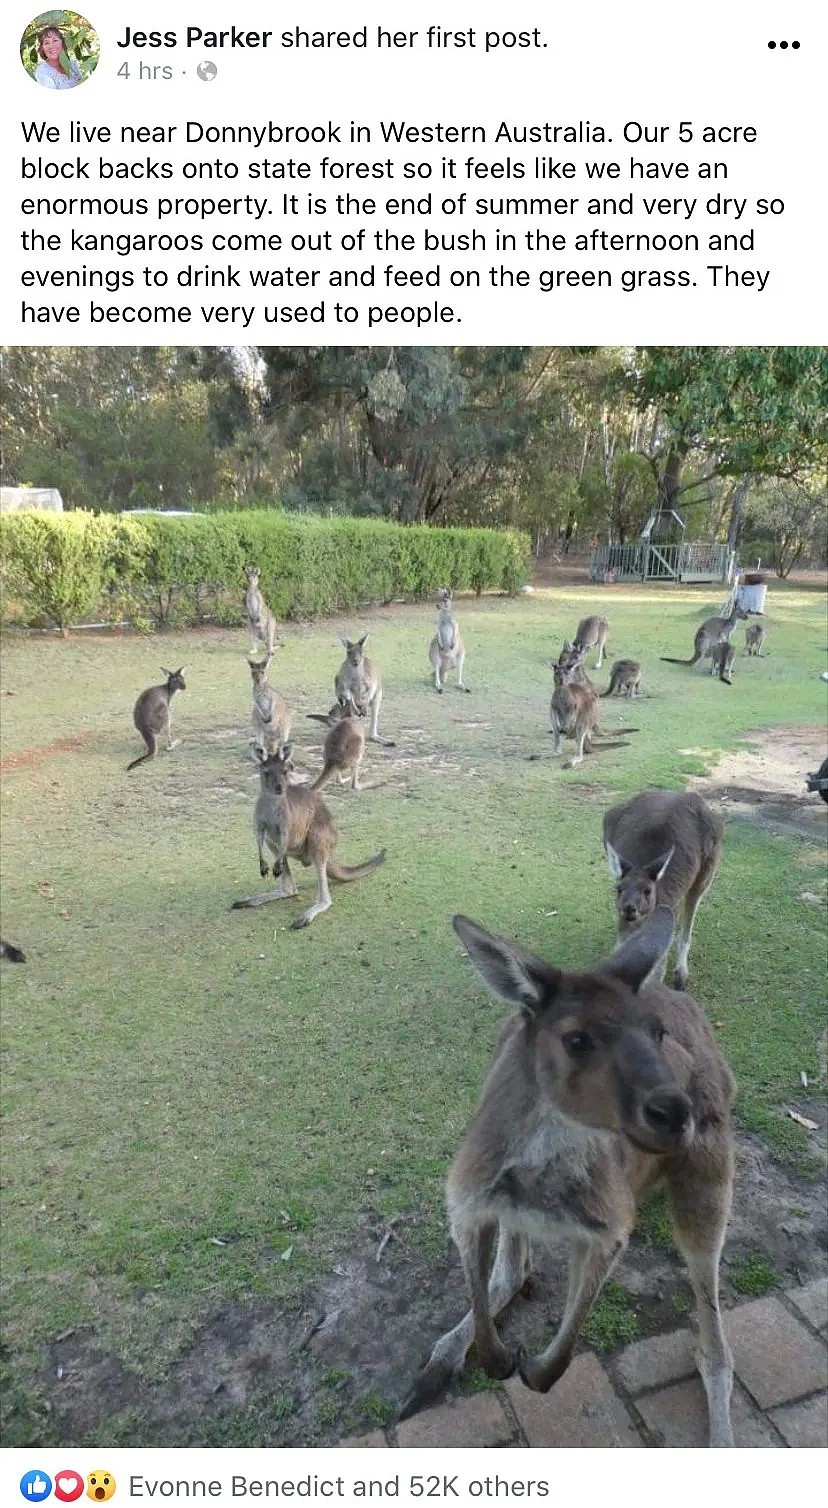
x: 638, y: 956
x: 164, y: 670
x: 515, y: 976
x: 286, y: 752
x: 656, y: 868
x: 363, y: 640
x: 346, y: 643
x: 567, y: 645
x: 618, y: 867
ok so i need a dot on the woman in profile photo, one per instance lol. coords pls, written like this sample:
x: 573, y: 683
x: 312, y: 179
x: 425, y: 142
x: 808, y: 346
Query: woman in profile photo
x: 56, y: 70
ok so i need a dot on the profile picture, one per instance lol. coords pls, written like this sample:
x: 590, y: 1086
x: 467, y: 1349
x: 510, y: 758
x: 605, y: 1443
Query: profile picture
x: 60, y: 49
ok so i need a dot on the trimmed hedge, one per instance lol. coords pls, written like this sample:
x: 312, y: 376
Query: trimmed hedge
x: 60, y: 568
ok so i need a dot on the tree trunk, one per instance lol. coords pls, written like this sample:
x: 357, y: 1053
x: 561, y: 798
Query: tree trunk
x: 740, y: 492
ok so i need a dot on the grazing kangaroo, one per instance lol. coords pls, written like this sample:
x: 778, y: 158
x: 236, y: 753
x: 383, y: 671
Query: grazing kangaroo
x: 293, y: 821
x: 9, y: 951
x: 709, y: 634
x: 151, y: 714
x: 261, y: 624
x: 818, y: 781
x: 755, y: 636
x: 592, y: 631
x: 662, y: 848
x: 724, y: 656
x: 574, y: 713
x: 272, y: 718
x: 359, y: 678
x: 599, y: 1090
x: 344, y: 748
x: 446, y: 651
x: 624, y: 676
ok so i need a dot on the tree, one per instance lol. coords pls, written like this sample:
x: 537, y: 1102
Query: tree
x: 795, y: 518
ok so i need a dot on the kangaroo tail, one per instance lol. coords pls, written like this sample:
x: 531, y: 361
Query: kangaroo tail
x: 669, y: 660
x: 609, y: 690
x: 328, y: 772
x: 320, y: 717
x: 151, y: 744
x: 355, y: 871
x: 592, y: 748
x: 9, y: 951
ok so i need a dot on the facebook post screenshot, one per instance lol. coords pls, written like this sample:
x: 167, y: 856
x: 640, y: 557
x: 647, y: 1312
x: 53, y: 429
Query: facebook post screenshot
x: 414, y: 568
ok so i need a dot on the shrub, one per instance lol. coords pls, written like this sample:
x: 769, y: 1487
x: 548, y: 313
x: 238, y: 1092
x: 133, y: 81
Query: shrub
x: 65, y: 566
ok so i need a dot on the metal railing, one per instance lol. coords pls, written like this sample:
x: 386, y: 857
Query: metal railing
x: 643, y: 561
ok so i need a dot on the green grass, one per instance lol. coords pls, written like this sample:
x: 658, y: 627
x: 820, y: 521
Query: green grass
x: 198, y: 1103
x: 752, y: 1273
x: 612, y: 1320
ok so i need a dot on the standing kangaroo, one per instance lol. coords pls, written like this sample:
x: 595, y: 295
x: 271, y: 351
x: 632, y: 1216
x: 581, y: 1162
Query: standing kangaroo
x: 598, y: 1091
x: 624, y: 676
x: 358, y: 678
x: 663, y: 848
x: 344, y: 745
x: 592, y: 631
x: 574, y: 713
x: 755, y: 636
x: 151, y: 714
x: 293, y: 821
x: 261, y: 624
x: 709, y: 634
x: 446, y: 650
x: 272, y: 718
x: 722, y: 662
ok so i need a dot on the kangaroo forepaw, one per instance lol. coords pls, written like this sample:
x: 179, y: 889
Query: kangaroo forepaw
x: 538, y: 1377
x: 680, y: 979
x: 432, y: 1381
x: 278, y: 868
x: 300, y: 922
x: 498, y: 1362
x: 264, y: 870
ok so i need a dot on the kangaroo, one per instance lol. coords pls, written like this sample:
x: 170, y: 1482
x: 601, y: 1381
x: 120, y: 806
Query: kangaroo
x: 598, y: 1091
x: 592, y: 631
x: 261, y: 624
x: 359, y: 678
x: 272, y: 718
x: 293, y: 821
x: 755, y: 636
x: 709, y: 634
x: 624, y: 676
x: 724, y: 656
x: 446, y: 651
x: 151, y: 714
x: 574, y: 714
x: 344, y: 746
x: 663, y: 848
x: 9, y: 951
x: 818, y: 781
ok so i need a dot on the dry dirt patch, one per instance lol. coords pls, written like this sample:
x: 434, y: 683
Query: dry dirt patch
x: 767, y: 784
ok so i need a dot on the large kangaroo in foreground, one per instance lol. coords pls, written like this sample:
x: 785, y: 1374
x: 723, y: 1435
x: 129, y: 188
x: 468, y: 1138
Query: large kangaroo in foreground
x: 709, y: 634
x: 293, y: 822
x: 663, y: 848
x: 599, y: 1090
x: 447, y: 651
x: 151, y: 714
x: 358, y: 678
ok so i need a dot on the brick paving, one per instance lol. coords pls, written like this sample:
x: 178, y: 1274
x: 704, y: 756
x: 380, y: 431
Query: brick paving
x: 649, y: 1394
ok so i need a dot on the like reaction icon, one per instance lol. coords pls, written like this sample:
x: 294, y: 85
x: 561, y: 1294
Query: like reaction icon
x: 35, y: 1486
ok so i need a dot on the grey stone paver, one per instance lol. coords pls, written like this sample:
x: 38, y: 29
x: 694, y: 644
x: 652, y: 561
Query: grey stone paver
x: 781, y: 1362
x: 804, y: 1424
x: 812, y: 1301
x: 662, y: 1359
x: 677, y: 1418
x: 463, y: 1422
x: 776, y: 1357
x: 582, y: 1410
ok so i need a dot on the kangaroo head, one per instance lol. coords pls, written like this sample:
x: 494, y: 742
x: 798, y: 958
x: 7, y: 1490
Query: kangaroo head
x: 275, y: 769
x: 598, y: 1047
x: 347, y: 707
x: 252, y: 574
x: 354, y: 649
x: 175, y: 679
x: 636, y: 894
x: 571, y: 657
x: 259, y: 669
x: 445, y: 597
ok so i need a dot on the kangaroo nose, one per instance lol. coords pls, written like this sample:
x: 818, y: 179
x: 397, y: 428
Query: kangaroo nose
x: 630, y: 913
x: 667, y: 1111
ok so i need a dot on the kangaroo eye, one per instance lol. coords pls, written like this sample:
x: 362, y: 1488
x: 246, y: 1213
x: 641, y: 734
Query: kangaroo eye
x: 579, y: 1044
x: 658, y: 1031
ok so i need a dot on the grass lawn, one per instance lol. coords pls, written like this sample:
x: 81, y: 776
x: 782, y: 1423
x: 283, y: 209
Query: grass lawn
x: 199, y: 1103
